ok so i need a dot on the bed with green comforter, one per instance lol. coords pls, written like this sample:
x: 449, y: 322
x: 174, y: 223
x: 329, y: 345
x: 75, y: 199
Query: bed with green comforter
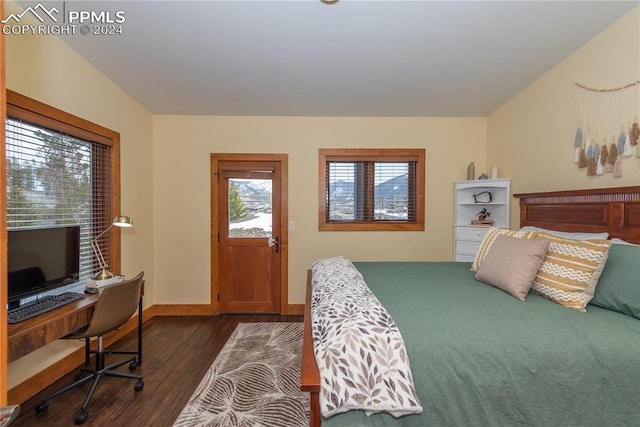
x: 480, y: 357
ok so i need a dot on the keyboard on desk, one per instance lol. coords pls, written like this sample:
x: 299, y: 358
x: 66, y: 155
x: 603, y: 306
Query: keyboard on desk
x: 42, y: 305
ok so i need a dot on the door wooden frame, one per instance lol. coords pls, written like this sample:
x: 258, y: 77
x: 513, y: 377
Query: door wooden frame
x: 283, y: 159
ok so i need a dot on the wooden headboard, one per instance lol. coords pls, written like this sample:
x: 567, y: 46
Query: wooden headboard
x: 614, y: 210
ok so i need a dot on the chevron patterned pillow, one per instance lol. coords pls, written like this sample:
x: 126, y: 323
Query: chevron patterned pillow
x: 570, y: 271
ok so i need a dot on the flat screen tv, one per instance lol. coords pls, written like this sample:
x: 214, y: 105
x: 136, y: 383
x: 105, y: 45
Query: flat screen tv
x: 41, y: 259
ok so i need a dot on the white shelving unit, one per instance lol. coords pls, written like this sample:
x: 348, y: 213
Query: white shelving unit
x: 467, y: 237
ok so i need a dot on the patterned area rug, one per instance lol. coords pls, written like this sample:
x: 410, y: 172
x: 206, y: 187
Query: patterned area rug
x: 254, y: 381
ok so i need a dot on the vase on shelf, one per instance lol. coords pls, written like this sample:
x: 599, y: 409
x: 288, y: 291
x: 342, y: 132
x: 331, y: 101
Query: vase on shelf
x: 471, y: 171
x: 494, y: 172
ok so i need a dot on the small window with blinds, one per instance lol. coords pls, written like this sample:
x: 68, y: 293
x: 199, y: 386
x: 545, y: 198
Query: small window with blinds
x: 372, y: 189
x: 58, y: 175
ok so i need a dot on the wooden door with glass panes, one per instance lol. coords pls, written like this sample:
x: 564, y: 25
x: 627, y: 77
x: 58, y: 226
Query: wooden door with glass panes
x: 249, y: 258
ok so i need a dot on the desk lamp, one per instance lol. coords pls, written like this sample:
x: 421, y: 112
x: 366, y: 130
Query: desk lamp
x: 104, y: 274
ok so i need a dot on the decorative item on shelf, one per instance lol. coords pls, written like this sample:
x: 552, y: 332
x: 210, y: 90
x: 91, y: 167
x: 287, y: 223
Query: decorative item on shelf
x: 482, y: 197
x: 483, y: 214
x: 471, y: 171
x: 483, y: 176
x: 104, y: 274
x: 494, y: 172
x: 483, y: 218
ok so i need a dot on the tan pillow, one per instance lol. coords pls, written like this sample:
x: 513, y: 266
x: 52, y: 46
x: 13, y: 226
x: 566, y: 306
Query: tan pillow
x: 488, y: 240
x: 570, y: 271
x: 512, y: 264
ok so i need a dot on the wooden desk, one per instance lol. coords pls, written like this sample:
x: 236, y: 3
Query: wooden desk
x: 31, y: 334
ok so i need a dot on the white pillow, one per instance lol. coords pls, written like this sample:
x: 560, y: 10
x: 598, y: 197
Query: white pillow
x: 617, y: 241
x: 575, y: 235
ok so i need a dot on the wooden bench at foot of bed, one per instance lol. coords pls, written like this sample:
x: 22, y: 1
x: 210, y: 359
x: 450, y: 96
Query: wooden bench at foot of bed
x: 309, y: 375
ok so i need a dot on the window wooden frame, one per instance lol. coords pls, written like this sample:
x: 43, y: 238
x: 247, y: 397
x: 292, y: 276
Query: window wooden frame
x: 30, y: 110
x: 380, y: 155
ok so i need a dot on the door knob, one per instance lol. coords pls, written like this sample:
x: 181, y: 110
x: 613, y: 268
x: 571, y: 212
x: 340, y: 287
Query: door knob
x: 274, y: 242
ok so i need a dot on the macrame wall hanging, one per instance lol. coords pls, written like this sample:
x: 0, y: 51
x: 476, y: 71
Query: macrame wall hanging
x: 608, y: 129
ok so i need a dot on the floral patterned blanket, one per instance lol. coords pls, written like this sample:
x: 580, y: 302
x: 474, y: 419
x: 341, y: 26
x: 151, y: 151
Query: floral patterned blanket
x: 360, y: 353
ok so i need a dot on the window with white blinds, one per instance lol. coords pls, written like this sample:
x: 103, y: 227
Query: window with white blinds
x: 55, y: 178
x: 372, y: 189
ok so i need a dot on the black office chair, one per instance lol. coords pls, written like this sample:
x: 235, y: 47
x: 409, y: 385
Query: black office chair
x: 116, y: 305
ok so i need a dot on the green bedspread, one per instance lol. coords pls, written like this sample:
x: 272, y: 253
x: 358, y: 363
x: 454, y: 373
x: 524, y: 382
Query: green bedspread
x: 483, y: 358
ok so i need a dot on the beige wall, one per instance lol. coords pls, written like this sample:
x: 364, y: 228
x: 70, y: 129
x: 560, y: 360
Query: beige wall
x: 182, y: 145
x: 46, y: 69
x: 530, y: 138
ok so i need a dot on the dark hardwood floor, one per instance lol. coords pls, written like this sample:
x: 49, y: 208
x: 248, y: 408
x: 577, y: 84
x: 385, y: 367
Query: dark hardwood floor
x: 177, y: 352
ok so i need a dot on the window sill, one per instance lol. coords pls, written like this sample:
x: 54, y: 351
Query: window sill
x: 367, y: 226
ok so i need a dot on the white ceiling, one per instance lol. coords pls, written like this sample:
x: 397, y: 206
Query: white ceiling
x: 353, y: 58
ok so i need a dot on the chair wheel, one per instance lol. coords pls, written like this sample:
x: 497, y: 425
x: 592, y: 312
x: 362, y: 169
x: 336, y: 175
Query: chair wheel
x: 133, y: 365
x: 42, y: 407
x: 81, y: 417
x: 139, y: 385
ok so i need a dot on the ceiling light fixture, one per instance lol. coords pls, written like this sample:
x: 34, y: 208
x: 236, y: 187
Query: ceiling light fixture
x: 329, y: 1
